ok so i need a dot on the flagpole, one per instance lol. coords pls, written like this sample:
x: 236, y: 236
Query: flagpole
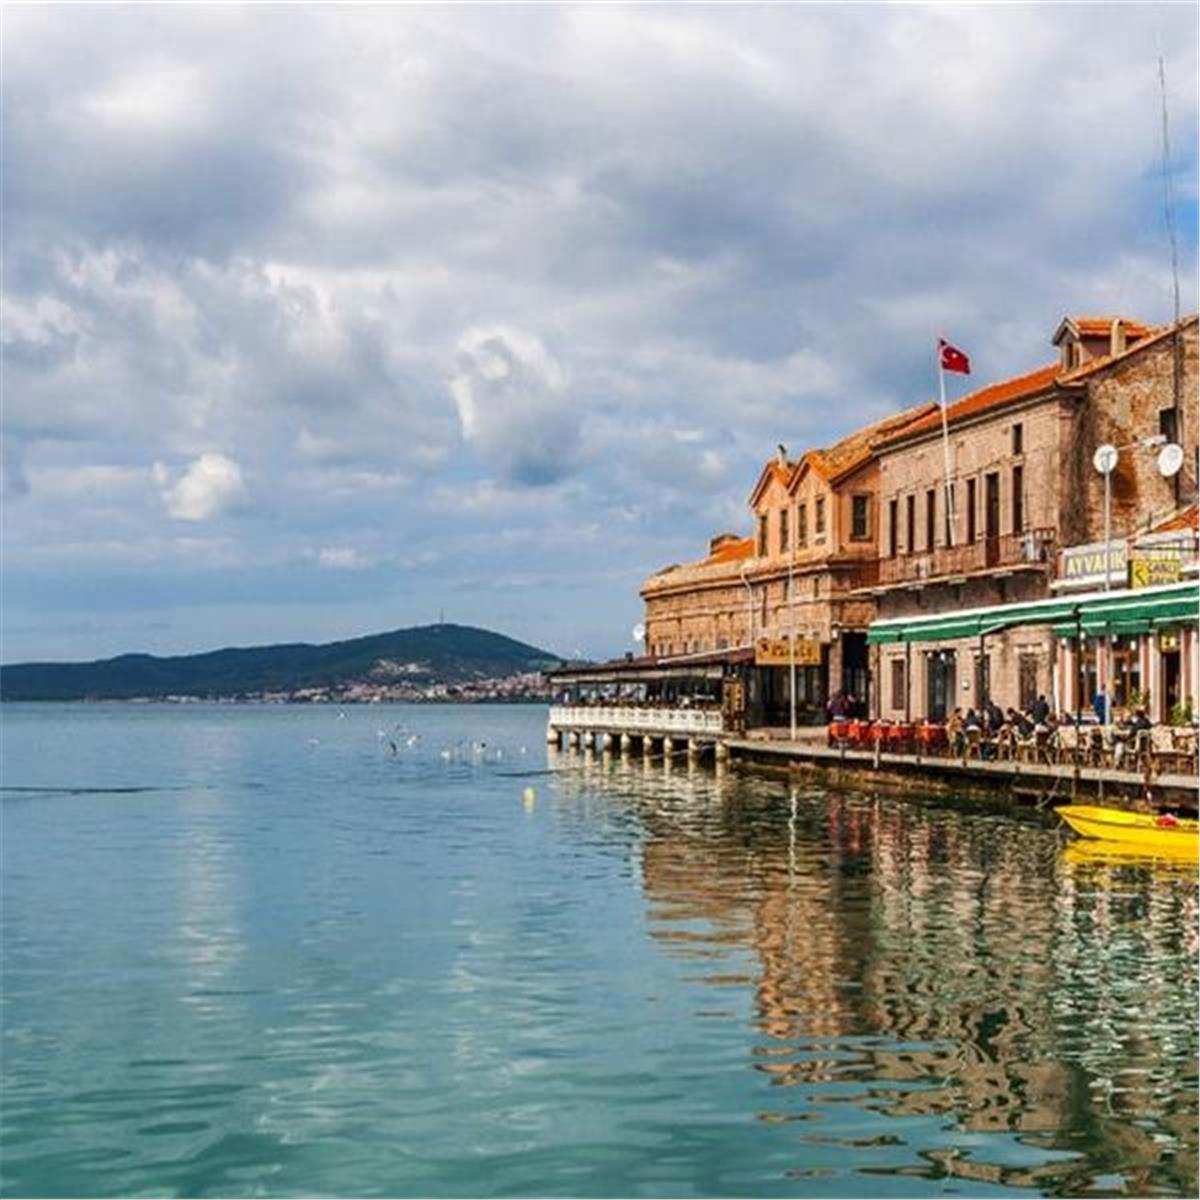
x: 945, y: 448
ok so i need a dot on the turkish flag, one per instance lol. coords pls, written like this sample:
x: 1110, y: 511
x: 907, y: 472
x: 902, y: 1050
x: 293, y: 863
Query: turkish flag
x: 953, y: 359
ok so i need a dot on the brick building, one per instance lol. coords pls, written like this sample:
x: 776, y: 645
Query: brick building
x: 815, y: 544
x: 1022, y: 489
x: 868, y: 541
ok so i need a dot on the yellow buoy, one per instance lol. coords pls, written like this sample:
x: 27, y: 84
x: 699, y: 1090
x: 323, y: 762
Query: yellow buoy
x: 528, y: 796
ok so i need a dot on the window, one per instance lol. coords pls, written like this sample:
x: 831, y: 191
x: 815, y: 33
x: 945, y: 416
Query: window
x: 1027, y: 680
x: 949, y: 510
x: 783, y: 531
x: 1168, y: 424
x: 893, y: 526
x: 1018, y: 438
x: 930, y: 516
x: 911, y: 506
x: 898, y: 683
x: 983, y: 679
x: 762, y: 536
x: 820, y: 516
x: 802, y: 525
x: 1018, y: 499
x: 970, y: 511
x: 858, y: 518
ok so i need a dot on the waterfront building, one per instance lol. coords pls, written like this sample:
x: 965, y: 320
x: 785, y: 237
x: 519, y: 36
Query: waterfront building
x: 799, y: 587
x: 1021, y: 513
x: 919, y: 573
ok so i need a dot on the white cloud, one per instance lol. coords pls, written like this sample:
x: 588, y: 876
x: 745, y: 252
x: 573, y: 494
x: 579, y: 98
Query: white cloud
x: 210, y: 486
x: 514, y: 406
x: 342, y: 558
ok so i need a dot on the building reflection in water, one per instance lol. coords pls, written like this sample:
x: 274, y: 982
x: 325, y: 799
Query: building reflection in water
x: 941, y: 969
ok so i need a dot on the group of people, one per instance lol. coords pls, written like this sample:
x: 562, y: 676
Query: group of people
x: 843, y: 706
x: 991, y: 722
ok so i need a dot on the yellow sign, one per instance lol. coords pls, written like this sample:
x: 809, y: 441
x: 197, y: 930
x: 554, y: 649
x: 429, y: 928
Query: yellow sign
x: 1146, y: 568
x: 1169, y: 640
x: 777, y: 652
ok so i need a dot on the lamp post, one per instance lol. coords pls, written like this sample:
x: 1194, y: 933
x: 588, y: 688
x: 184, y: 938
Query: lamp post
x: 749, y: 607
x: 792, y: 634
x: 1105, y: 461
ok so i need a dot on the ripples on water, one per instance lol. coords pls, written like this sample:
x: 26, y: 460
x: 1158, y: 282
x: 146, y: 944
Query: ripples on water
x: 255, y: 952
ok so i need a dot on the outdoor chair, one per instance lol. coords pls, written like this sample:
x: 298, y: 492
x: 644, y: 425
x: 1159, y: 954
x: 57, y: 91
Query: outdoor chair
x: 973, y: 742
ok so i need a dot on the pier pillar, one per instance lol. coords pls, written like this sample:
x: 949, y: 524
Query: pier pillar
x: 668, y: 747
x: 573, y: 739
x: 722, y: 752
x: 693, y: 749
x: 626, y: 743
x: 604, y: 742
x: 552, y: 735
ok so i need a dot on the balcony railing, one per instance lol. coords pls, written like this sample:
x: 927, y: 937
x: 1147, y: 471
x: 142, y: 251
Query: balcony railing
x: 1032, y: 548
x: 628, y: 718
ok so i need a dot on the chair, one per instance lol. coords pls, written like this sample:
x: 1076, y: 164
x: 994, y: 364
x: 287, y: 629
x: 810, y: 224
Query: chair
x: 1066, y: 743
x: 973, y: 742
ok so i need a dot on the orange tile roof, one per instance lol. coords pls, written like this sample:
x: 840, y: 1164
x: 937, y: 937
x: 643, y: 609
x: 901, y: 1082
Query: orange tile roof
x: 1188, y: 518
x: 993, y: 396
x: 839, y: 460
x: 1102, y: 326
x: 1154, y: 336
x: 781, y: 472
x: 732, y: 551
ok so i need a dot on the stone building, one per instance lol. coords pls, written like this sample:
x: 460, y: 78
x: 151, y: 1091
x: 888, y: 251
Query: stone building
x: 1022, y: 490
x: 804, y: 576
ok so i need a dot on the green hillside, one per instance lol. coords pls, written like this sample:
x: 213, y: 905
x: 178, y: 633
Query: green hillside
x: 431, y: 653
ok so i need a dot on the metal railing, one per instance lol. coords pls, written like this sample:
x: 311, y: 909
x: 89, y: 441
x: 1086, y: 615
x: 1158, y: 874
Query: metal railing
x: 1032, y: 548
x: 631, y: 719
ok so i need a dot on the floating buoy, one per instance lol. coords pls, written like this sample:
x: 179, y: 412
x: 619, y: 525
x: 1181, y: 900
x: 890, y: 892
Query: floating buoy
x: 528, y: 798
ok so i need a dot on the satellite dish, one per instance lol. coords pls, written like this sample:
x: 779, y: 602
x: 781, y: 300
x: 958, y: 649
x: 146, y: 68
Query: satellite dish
x: 1105, y: 458
x: 639, y: 632
x: 1170, y: 459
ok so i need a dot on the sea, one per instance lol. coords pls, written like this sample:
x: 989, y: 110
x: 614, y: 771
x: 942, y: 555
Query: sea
x: 412, y: 951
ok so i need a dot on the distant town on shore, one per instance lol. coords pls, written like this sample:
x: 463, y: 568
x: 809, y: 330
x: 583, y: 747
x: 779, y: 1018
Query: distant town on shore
x: 435, y: 663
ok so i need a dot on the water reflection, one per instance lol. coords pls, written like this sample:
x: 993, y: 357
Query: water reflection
x: 945, y: 990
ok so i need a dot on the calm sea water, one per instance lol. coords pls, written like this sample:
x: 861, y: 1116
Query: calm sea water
x: 280, y: 951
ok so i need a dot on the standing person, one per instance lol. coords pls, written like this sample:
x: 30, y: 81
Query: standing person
x: 1040, y: 712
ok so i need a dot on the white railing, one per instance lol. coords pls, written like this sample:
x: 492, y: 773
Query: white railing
x: 628, y: 719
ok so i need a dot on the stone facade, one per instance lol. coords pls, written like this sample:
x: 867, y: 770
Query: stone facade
x: 863, y: 529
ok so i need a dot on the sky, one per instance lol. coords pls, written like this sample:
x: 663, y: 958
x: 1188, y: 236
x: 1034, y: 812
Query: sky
x: 321, y: 321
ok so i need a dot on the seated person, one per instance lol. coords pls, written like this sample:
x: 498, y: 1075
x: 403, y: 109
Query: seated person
x: 954, y: 731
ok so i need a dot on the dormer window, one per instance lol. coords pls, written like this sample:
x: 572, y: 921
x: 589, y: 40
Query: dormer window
x: 762, y: 536
x: 820, y: 517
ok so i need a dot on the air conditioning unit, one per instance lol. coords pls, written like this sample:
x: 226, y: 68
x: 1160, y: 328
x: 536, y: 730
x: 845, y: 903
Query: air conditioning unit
x: 1033, y: 549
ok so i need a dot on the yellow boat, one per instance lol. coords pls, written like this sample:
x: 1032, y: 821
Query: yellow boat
x: 1091, y: 853
x: 1174, y: 836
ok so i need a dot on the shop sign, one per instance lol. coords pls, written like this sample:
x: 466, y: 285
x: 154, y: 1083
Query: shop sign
x: 1169, y: 640
x: 1150, y: 567
x: 777, y: 652
x: 1084, y: 563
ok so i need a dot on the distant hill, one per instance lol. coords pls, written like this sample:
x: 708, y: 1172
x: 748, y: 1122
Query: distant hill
x: 449, y: 654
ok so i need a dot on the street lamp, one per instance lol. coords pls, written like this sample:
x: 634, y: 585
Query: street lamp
x: 1105, y: 461
x: 792, y: 633
x: 749, y: 606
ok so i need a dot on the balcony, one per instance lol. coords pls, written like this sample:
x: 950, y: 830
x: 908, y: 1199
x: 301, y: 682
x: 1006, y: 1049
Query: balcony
x: 1034, y: 549
x: 630, y: 718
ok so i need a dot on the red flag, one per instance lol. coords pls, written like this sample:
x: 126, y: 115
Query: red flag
x: 953, y: 359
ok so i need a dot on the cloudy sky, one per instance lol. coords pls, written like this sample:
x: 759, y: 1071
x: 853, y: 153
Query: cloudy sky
x: 322, y: 321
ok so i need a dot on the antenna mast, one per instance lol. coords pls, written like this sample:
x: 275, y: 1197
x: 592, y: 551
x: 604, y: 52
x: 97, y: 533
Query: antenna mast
x: 1168, y: 191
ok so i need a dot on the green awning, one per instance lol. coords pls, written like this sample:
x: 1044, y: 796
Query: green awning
x: 1094, y: 614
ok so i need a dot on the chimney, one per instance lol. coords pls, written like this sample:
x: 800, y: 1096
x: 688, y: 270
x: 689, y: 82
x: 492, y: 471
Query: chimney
x: 1116, y: 337
x: 781, y: 455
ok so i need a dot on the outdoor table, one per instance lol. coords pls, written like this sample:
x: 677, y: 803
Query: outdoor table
x: 900, y: 736
x: 860, y: 732
x: 878, y: 734
x: 839, y: 732
x: 931, y: 737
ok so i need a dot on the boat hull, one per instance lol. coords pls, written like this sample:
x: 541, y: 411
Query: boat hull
x: 1133, y: 829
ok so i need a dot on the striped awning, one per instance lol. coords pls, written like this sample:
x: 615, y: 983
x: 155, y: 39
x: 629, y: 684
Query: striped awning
x: 1092, y: 614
